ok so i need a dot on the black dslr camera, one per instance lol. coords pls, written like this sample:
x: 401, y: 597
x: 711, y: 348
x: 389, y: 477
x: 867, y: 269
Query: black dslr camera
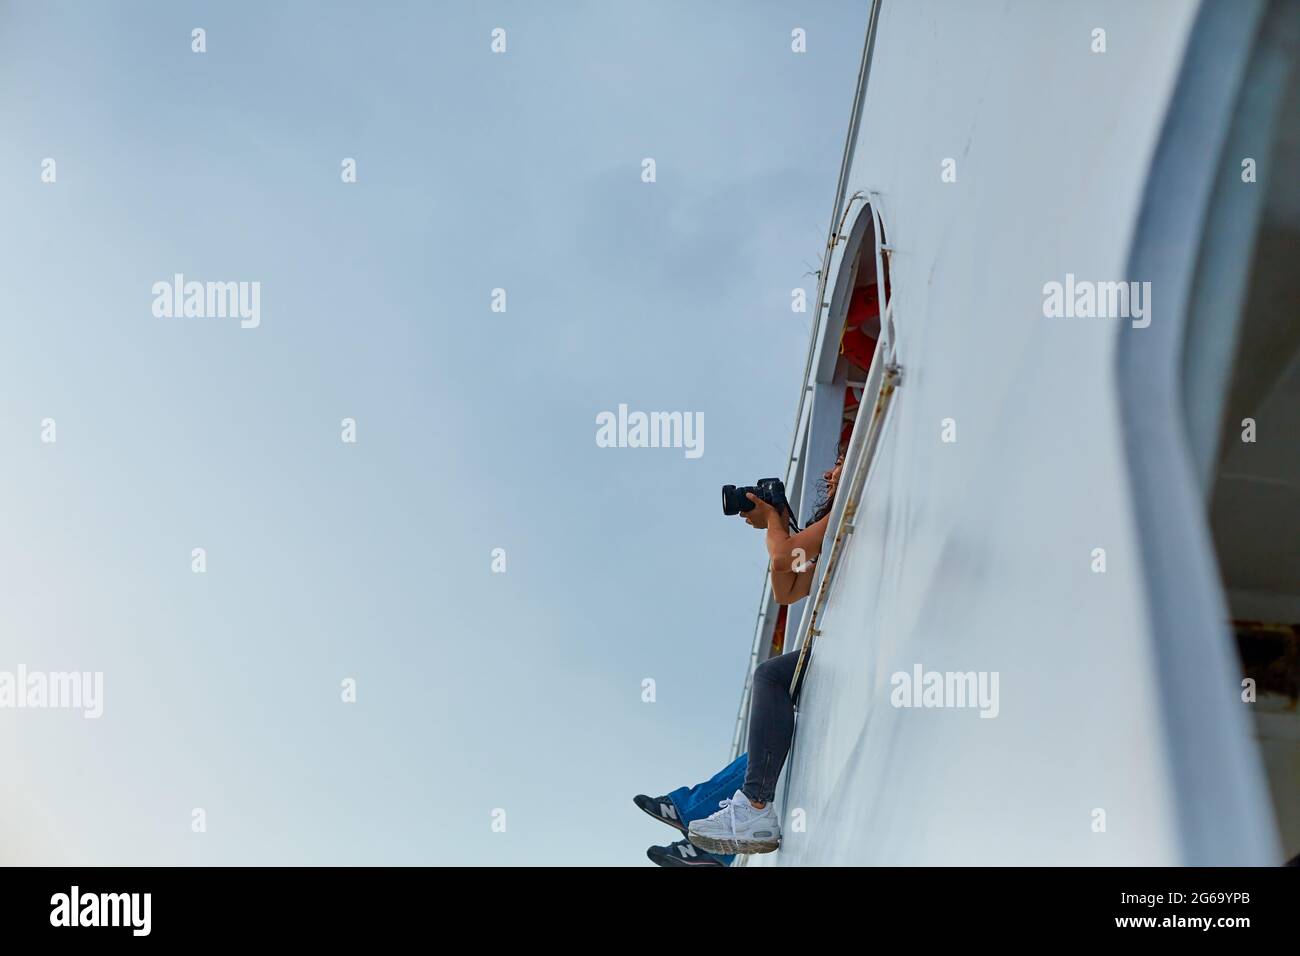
x: 770, y: 490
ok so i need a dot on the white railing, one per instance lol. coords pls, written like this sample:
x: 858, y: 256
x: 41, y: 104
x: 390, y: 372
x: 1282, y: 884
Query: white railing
x: 839, y: 217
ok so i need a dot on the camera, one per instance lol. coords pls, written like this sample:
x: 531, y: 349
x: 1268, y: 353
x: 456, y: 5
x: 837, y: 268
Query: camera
x: 771, y: 490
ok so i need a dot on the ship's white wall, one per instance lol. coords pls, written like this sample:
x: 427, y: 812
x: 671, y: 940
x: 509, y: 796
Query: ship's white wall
x: 977, y: 555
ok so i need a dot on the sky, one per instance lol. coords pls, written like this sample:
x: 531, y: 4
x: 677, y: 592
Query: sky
x: 477, y: 690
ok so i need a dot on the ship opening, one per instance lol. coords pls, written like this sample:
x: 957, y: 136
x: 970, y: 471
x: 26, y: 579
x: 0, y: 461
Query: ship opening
x: 839, y: 373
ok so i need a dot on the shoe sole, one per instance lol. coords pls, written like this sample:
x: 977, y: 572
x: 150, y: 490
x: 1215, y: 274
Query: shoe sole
x: 721, y: 846
x: 654, y: 816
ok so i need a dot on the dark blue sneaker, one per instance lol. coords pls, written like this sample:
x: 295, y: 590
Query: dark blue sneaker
x: 662, y: 809
x: 682, y: 853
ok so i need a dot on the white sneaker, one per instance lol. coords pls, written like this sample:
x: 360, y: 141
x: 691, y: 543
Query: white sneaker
x: 737, y: 828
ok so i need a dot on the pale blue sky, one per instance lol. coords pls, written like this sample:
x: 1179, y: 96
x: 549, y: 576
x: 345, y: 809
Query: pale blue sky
x: 476, y: 429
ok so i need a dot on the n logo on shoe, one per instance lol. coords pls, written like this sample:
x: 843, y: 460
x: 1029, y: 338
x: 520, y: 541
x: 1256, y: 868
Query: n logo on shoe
x: 668, y: 810
x: 685, y: 849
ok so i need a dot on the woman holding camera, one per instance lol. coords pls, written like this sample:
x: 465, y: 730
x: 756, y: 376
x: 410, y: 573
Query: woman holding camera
x: 746, y: 822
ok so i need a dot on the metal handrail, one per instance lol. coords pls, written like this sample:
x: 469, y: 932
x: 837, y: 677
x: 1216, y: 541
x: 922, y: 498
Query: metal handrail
x: 840, y: 212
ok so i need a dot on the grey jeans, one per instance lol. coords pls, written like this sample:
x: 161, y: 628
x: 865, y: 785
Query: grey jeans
x: 771, y: 726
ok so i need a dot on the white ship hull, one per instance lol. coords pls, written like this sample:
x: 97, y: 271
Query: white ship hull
x: 1022, y: 452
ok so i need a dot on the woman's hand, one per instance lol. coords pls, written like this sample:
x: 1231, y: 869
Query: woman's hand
x: 762, y: 514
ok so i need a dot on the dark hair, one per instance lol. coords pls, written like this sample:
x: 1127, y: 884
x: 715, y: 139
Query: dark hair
x: 827, y: 503
x: 822, y: 509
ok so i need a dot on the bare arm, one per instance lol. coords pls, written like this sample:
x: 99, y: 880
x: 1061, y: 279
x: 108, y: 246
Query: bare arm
x: 790, y: 555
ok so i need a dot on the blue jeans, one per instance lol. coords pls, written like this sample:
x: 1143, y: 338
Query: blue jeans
x: 699, y: 801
